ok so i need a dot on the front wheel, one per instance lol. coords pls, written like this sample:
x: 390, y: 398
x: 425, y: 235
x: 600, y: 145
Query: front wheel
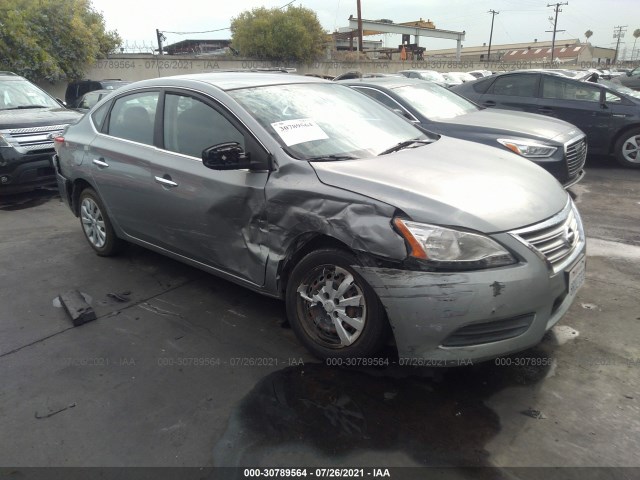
x: 332, y: 309
x: 628, y: 149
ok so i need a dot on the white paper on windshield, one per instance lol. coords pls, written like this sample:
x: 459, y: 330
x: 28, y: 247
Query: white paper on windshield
x: 297, y: 131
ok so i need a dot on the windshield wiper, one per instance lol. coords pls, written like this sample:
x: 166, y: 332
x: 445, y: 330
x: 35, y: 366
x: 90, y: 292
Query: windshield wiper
x: 405, y: 144
x: 330, y: 158
x: 23, y: 107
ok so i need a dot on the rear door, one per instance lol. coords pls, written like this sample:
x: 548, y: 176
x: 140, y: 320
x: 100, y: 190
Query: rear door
x: 579, y: 103
x: 120, y: 158
x: 513, y: 92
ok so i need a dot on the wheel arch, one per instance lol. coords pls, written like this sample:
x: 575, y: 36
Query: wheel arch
x: 621, y: 133
x: 78, y: 185
x: 300, y: 247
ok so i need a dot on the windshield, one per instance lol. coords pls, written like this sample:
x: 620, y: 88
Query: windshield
x: 19, y: 94
x: 435, y: 102
x: 326, y: 121
x: 618, y: 87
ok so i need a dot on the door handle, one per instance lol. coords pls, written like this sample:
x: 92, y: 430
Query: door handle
x: 100, y: 162
x: 545, y: 110
x: 489, y: 103
x: 166, y: 182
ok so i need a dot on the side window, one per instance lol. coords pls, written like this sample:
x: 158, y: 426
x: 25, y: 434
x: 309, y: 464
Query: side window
x: 559, y: 88
x: 516, y: 85
x: 99, y: 115
x: 191, y: 125
x: 132, y: 117
x: 88, y: 101
x: 481, y: 86
x: 611, y: 97
x: 381, y: 97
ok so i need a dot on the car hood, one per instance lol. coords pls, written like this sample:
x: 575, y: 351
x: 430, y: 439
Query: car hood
x: 453, y: 182
x: 520, y: 124
x: 37, y: 117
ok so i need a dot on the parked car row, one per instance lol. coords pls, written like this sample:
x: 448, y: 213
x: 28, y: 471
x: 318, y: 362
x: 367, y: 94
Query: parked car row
x: 555, y: 145
x: 367, y: 225
x: 607, y: 112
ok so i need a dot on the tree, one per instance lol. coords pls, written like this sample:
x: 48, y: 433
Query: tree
x: 52, y: 39
x: 294, y: 34
x: 636, y: 34
x: 588, y: 34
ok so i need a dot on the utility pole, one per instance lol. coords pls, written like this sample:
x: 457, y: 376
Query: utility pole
x: 618, y: 35
x: 160, y: 37
x: 359, y: 27
x: 555, y: 24
x: 493, y: 16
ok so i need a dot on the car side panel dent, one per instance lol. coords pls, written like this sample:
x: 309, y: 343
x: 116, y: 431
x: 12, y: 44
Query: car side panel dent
x: 300, y: 206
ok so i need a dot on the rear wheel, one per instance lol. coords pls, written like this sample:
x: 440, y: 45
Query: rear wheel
x: 97, y: 226
x: 628, y: 149
x: 332, y: 309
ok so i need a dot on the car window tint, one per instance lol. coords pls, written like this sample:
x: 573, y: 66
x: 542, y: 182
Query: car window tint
x: 132, y: 117
x: 99, y: 115
x: 381, y: 97
x: 481, y: 86
x: 516, y: 85
x: 557, y: 87
x: 611, y: 97
x: 190, y: 126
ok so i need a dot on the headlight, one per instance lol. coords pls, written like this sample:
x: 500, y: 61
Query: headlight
x: 452, y: 249
x: 529, y: 149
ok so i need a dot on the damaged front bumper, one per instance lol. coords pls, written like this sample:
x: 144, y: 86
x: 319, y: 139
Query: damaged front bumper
x: 461, y: 317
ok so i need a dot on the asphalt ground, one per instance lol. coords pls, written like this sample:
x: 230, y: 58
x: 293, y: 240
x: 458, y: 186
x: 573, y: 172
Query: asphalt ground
x: 184, y: 369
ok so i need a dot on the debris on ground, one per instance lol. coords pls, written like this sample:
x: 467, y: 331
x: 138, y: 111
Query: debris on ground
x: 77, y: 307
x: 537, y: 414
x: 51, y: 414
x: 119, y: 297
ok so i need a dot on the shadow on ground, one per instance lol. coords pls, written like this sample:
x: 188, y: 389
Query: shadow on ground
x: 435, y: 417
x: 34, y: 198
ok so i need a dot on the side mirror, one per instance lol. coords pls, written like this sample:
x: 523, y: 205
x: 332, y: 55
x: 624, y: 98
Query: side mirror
x: 227, y: 156
x: 628, y: 74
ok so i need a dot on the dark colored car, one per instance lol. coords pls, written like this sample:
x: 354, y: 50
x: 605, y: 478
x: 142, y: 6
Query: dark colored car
x: 88, y: 100
x: 609, y: 114
x: 306, y: 190
x: 28, y: 116
x: 77, y: 88
x: 557, y: 146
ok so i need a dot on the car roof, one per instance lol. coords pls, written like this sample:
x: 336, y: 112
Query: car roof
x: 389, y: 82
x: 234, y: 80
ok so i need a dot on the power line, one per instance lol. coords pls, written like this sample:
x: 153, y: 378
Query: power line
x: 216, y: 30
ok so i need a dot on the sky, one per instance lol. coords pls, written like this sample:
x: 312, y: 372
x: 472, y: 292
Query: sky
x: 518, y: 21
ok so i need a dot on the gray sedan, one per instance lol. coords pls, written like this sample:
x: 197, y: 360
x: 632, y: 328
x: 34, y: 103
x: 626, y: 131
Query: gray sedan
x: 306, y: 190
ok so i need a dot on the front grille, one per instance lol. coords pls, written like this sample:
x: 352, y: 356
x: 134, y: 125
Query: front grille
x: 487, y: 332
x: 32, y: 138
x: 576, y: 154
x: 555, y: 239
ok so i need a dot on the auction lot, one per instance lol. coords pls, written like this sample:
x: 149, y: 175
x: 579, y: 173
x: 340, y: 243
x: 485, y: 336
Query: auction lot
x: 184, y: 369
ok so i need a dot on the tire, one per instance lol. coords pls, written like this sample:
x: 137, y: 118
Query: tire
x: 342, y: 318
x: 96, y: 225
x: 628, y: 149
